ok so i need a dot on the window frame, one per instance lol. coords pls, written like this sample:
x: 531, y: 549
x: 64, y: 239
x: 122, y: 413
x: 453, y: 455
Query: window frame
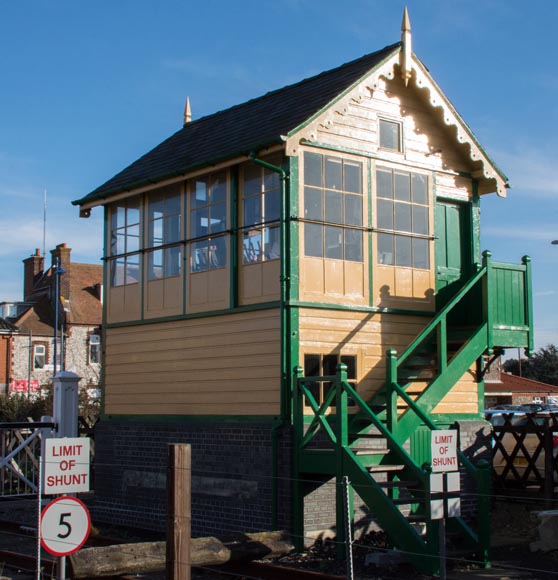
x: 321, y: 224
x: 123, y: 263
x: 211, y: 246
x: 412, y: 237
x: 94, y: 343
x: 260, y: 238
x: 382, y: 122
x: 164, y: 253
x: 36, y: 347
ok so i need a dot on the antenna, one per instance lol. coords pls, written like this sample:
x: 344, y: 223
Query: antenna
x: 44, y: 223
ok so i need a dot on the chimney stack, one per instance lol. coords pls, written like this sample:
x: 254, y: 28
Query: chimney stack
x: 62, y: 252
x: 33, y: 267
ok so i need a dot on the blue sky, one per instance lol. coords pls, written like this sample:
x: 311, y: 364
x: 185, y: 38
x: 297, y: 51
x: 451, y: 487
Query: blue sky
x: 87, y: 87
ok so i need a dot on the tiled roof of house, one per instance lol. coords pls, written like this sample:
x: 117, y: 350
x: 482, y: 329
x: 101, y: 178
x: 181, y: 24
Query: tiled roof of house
x: 514, y: 384
x: 258, y: 123
x: 85, y: 305
x: 6, y: 326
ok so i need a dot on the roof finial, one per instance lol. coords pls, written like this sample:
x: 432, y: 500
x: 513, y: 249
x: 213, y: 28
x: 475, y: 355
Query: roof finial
x: 187, y: 111
x: 406, y: 47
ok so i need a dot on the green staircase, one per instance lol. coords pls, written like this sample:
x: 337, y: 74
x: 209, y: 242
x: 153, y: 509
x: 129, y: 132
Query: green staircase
x: 371, y: 442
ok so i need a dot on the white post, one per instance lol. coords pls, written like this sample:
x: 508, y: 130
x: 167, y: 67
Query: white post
x: 65, y: 403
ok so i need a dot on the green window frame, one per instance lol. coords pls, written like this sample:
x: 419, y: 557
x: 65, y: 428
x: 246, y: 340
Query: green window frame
x: 333, y: 207
x: 320, y: 365
x: 261, y: 211
x: 403, y: 218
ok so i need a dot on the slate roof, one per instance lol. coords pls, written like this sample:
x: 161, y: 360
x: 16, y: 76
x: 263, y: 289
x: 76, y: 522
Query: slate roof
x: 236, y: 131
x: 6, y: 326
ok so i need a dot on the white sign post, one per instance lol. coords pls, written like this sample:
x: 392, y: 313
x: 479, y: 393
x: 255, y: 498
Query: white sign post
x: 65, y: 526
x: 66, y: 465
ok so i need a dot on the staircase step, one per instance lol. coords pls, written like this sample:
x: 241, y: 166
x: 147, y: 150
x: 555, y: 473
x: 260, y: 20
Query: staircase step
x: 370, y: 451
x: 384, y: 468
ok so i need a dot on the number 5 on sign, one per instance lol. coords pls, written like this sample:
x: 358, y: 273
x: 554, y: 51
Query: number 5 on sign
x: 65, y: 525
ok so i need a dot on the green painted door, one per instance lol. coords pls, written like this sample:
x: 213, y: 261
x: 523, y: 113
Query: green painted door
x: 453, y: 249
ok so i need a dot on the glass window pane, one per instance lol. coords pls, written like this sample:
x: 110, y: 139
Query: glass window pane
x: 199, y: 256
x: 420, y: 219
x: 155, y: 265
x: 313, y: 169
x: 117, y: 272
x: 333, y: 207
x: 311, y: 365
x: 118, y: 215
x: 421, y: 258
x: 385, y: 214
x: 218, y: 187
x: 218, y: 217
x: 333, y: 173
x: 132, y: 269
x: 385, y: 249
x: 271, y: 180
x: 313, y: 204
x: 403, y: 251
x: 252, y: 179
x: 353, y: 210
x: 173, y: 204
x: 272, y: 201
x: 390, y: 135
x: 156, y: 207
x: 333, y: 242
x: 199, y: 222
x: 253, y: 210
x: 199, y: 197
x: 313, y: 240
x: 272, y: 247
x: 133, y: 214
x: 119, y: 242
x: 252, y: 247
x: 384, y: 184
x: 329, y: 364
x: 350, y: 361
x: 217, y: 253
x: 420, y: 189
x: 132, y: 239
x: 156, y: 233
x: 171, y: 229
x: 402, y: 217
x: 353, y: 177
x: 353, y: 245
x: 402, y: 182
x: 172, y: 259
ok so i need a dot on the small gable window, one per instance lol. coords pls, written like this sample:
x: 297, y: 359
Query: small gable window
x: 390, y: 135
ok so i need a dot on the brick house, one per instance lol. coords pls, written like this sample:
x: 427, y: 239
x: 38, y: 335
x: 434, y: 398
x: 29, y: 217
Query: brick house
x: 27, y: 327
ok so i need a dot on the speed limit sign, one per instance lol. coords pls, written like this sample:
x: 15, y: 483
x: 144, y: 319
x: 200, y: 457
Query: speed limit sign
x: 65, y: 525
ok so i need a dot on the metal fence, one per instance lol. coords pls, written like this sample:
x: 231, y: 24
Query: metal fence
x: 20, y: 454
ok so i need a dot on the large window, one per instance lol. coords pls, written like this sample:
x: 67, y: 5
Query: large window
x: 261, y: 207
x: 164, y: 229
x: 125, y: 242
x: 402, y: 211
x: 208, y: 222
x: 333, y: 208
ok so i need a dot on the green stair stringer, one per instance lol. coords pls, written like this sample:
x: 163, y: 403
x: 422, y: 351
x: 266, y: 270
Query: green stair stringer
x: 439, y: 388
x: 421, y: 552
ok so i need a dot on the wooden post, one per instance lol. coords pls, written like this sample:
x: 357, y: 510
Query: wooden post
x: 179, y: 471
